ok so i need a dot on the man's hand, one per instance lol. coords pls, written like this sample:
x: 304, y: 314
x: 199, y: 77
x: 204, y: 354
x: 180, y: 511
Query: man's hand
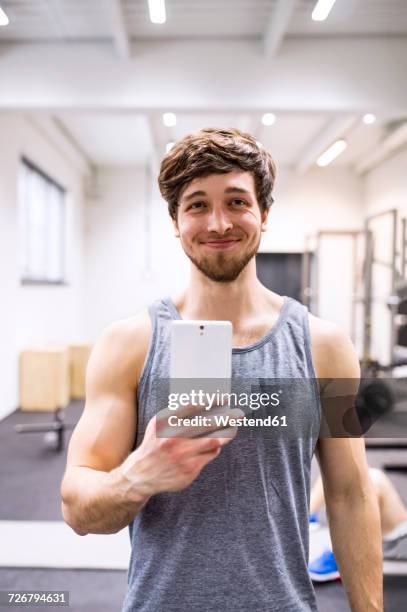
x: 172, y: 463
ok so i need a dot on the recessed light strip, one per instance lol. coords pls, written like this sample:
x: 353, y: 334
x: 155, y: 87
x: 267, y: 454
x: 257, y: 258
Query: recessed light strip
x: 4, y: 20
x: 157, y: 11
x: 322, y: 9
x: 331, y: 153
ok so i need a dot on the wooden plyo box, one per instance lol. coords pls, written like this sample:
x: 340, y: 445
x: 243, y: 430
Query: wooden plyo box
x: 78, y: 358
x: 44, y: 378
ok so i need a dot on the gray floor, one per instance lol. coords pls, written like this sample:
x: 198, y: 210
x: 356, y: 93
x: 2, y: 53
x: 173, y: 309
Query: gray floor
x: 103, y: 591
x: 31, y: 478
x: 89, y: 591
x: 30, y: 491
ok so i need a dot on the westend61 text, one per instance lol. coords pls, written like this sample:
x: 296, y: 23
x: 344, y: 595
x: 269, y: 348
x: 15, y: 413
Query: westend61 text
x: 225, y: 421
x: 209, y: 400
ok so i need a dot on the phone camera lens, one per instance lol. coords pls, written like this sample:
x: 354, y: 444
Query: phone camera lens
x: 201, y: 327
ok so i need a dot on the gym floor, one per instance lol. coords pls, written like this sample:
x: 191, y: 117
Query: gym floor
x: 31, y: 473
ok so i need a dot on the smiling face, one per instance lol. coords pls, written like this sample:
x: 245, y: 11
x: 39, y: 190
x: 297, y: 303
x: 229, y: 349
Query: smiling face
x: 219, y: 223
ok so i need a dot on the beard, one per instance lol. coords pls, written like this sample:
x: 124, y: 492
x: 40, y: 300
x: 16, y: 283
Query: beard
x: 221, y: 268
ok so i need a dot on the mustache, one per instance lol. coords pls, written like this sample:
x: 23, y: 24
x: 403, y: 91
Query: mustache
x: 225, y: 237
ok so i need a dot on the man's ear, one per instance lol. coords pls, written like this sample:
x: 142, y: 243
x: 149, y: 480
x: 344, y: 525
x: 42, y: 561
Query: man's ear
x: 176, y: 230
x: 264, y: 217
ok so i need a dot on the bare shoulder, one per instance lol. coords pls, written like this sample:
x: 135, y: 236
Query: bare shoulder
x: 333, y: 352
x: 121, y: 349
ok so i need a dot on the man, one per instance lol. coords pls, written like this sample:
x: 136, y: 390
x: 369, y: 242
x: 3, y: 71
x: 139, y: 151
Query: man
x: 221, y: 523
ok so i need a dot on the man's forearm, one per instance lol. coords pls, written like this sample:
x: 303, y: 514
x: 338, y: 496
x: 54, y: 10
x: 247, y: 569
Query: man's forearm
x: 98, y: 502
x: 356, y: 539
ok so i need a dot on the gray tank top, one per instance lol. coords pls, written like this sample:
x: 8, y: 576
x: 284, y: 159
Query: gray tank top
x: 236, y: 539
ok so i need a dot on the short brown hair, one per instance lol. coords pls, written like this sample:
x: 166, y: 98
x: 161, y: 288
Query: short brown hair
x: 215, y: 151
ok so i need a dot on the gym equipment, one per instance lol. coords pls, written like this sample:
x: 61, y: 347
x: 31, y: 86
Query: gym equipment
x: 369, y: 262
x: 49, y: 378
x: 44, y: 378
x: 398, y: 289
x: 310, y: 277
x: 58, y: 426
x: 402, y: 307
x: 78, y: 359
x: 402, y: 335
x: 375, y: 398
x: 376, y: 395
x: 398, y: 389
x: 45, y: 386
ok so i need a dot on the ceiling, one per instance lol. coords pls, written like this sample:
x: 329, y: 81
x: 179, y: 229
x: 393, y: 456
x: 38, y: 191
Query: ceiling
x: 113, y: 137
x: 109, y: 139
x: 126, y: 139
x: 91, y: 20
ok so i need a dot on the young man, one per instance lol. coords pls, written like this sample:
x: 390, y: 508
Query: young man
x: 221, y: 523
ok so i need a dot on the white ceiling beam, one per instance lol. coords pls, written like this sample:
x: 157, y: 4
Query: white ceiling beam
x: 394, y: 141
x: 248, y: 122
x: 277, y: 26
x: 119, y: 30
x: 71, y: 140
x: 56, y: 14
x: 158, y: 138
x: 338, y: 128
x: 62, y: 140
x: 321, y: 75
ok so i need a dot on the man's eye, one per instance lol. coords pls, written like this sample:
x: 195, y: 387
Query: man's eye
x: 197, y: 205
x: 239, y: 203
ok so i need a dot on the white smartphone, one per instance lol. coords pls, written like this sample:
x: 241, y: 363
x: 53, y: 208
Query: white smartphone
x: 201, y: 354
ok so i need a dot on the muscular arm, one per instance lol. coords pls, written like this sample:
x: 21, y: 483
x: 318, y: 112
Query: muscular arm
x: 106, y: 483
x: 351, y: 503
x: 96, y: 497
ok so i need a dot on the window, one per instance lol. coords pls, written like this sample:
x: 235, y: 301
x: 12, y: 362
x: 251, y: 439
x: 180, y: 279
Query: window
x: 42, y: 227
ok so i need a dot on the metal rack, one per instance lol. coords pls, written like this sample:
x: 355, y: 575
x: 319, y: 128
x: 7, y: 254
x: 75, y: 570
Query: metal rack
x: 398, y: 293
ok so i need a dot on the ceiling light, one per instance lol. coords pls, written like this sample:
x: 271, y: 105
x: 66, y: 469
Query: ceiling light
x: 369, y: 118
x: 169, y: 146
x: 4, y: 20
x: 331, y: 153
x: 268, y: 119
x: 322, y: 9
x: 169, y: 119
x: 157, y: 11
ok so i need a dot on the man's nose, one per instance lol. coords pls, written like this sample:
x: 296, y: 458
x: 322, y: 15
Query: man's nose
x: 219, y: 221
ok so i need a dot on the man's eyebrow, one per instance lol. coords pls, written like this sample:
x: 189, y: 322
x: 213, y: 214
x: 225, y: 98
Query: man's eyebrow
x: 232, y: 189
x: 193, y: 195
x: 235, y: 189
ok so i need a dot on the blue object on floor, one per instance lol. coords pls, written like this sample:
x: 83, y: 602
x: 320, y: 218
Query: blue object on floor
x: 324, y: 568
x: 313, y: 521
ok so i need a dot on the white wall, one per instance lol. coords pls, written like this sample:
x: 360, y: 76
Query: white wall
x: 34, y: 314
x: 321, y: 199
x: 385, y: 188
x: 120, y: 280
